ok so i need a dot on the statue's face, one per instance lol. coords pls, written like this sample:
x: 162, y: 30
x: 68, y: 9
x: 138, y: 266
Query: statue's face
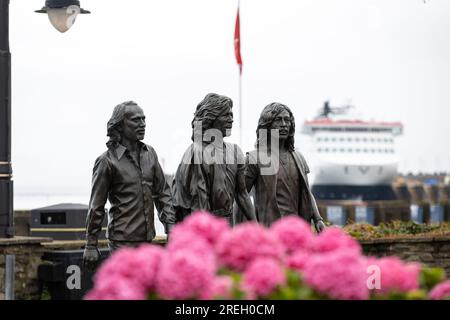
x: 283, y: 123
x: 134, y: 124
x: 224, y: 122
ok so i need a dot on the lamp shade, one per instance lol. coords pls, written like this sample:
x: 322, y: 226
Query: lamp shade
x: 62, y: 13
x: 63, y: 18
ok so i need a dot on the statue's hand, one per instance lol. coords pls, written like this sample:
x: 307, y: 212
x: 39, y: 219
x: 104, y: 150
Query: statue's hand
x: 319, y: 225
x: 168, y: 228
x: 91, y: 256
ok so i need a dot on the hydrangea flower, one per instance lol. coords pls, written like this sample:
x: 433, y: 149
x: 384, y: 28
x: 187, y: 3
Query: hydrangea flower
x: 134, y: 265
x: 397, y: 275
x: 245, y: 243
x: 440, y: 291
x: 221, y: 287
x: 263, y: 275
x: 294, y: 233
x: 184, y: 274
x: 297, y: 260
x: 182, y: 238
x: 334, y: 238
x: 338, y: 274
x: 110, y: 288
x: 204, y: 225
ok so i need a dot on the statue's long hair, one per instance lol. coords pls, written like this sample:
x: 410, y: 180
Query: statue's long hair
x: 268, y: 115
x: 209, y: 109
x: 115, y: 122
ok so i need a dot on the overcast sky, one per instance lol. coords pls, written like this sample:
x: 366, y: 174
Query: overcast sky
x: 391, y: 59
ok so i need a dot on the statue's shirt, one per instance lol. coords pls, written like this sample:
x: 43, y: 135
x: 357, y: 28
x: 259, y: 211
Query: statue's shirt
x: 132, y: 188
x: 288, y: 185
x: 206, y: 178
x: 285, y: 192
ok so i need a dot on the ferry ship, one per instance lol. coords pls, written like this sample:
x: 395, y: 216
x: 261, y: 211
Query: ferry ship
x: 351, y: 159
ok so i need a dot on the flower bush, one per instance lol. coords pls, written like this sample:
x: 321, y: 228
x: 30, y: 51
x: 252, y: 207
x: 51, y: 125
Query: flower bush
x: 206, y: 259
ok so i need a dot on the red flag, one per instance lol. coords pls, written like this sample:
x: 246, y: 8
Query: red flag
x: 237, y: 41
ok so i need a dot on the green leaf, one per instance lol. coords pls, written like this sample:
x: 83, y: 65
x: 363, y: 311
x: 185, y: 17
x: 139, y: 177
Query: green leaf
x: 429, y: 277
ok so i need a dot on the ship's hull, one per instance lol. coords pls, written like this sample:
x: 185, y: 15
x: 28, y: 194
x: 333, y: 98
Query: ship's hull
x: 347, y: 192
x: 352, y: 179
x: 354, y: 174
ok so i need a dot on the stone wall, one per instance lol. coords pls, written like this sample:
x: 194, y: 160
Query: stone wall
x: 28, y: 253
x: 434, y: 252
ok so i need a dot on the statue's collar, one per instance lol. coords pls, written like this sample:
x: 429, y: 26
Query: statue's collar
x: 120, y: 149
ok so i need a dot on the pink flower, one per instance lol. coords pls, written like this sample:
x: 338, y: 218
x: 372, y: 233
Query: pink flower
x: 205, y: 225
x: 332, y: 239
x: 184, y: 238
x: 135, y: 265
x: 220, y: 287
x: 246, y: 242
x: 184, y: 274
x: 338, y: 274
x: 263, y: 275
x: 440, y: 291
x: 297, y: 260
x: 397, y: 276
x: 119, y: 288
x: 294, y: 233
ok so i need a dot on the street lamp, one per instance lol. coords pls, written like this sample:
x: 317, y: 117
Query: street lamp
x: 6, y: 183
x: 62, y: 13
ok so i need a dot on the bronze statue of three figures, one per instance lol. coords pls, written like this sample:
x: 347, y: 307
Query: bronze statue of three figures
x: 213, y: 175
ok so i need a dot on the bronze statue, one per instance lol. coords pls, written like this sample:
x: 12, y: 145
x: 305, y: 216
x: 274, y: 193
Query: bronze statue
x: 129, y: 175
x: 278, y: 172
x: 211, y: 174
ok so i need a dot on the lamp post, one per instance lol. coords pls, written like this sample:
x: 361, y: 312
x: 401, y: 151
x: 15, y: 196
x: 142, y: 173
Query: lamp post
x: 62, y: 14
x: 6, y: 183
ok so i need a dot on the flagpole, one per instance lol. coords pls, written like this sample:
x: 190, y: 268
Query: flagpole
x: 240, y: 109
x: 237, y: 39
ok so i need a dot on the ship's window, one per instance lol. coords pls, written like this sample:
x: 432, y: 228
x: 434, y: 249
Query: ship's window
x: 342, y: 150
x: 325, y: 139
x: 326, y: 149
x: 364, y: 139
x: 319, y: 150
x: 350, y: 150
x: 349, y: 139
x: 379, y: 140
x: 357, y: 150
x: 372, y: 140
x: 364, y: 150
x: 334, y: 150
x: 385, y: 140
x: 372, y: 150
x: 386, y: 150
x: 392, y: 150
x: 341, y: 139
x: 319, y: 139
x: 380, y: 151
x: 357, y: 139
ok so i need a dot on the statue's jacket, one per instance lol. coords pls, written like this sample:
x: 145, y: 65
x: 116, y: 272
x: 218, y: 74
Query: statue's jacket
x: 265, y: 190
x: 204, y: 183
x: 133, y: 190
